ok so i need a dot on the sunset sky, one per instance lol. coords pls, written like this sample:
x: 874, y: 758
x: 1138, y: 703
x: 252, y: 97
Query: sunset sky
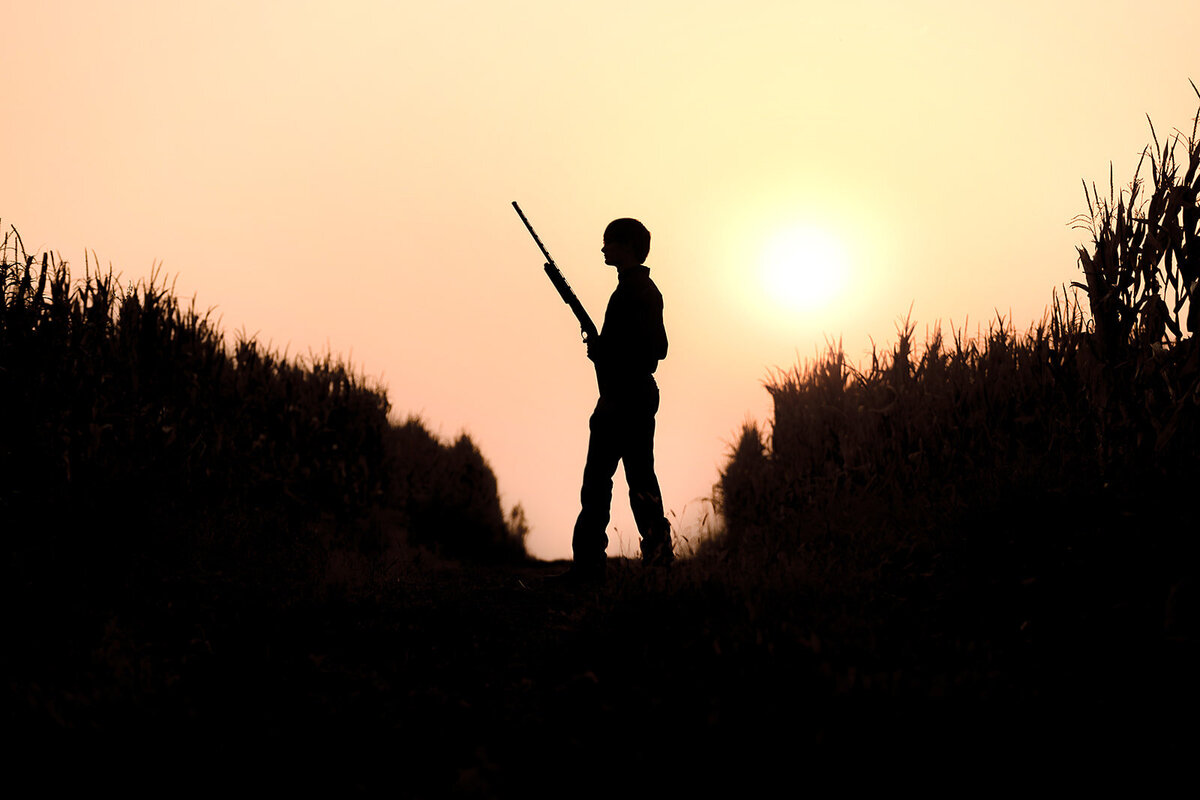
x: 339, y: 176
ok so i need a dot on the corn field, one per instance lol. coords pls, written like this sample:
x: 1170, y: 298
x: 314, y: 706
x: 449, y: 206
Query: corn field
x: 1099, y: 400
x: 132, y: 429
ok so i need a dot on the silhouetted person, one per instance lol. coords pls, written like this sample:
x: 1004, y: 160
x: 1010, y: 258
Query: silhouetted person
x: 631, y: 343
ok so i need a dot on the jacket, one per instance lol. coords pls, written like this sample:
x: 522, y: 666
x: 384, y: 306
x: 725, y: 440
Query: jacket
x: 632, y: 339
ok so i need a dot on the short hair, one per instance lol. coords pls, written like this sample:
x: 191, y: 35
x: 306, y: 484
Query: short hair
x: 630, y: 234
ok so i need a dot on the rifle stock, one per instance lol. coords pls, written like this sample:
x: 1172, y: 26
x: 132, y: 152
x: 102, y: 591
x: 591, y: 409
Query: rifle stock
x: 587, y: 328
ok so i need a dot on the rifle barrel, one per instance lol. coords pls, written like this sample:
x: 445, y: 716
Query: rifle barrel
x: 587, y: 328
x: 533, y: 233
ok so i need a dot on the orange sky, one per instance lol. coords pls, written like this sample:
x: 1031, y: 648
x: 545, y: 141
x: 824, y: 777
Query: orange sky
x: 340, y: 175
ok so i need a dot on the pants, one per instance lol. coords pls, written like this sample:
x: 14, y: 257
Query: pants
x: 621, y: 430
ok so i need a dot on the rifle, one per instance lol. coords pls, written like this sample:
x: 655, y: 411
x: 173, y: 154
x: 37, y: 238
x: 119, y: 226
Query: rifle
x: 587, y: 328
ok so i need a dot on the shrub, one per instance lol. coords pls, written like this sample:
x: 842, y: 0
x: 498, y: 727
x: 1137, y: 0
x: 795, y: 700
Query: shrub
x: 447, y: 496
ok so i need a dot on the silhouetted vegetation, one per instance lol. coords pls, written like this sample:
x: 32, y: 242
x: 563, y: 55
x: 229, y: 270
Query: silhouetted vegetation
x: 446, y: 497
x: 137, y: 439
x: 1104, y: 406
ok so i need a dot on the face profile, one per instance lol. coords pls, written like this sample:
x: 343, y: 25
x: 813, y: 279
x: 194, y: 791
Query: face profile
x: 626, y: 243
x: 618, y: 255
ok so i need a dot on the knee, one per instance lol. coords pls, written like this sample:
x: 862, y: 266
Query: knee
x: 596, y: 488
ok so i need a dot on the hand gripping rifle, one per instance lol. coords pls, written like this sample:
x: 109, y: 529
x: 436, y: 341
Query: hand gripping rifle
x: 587, y: 328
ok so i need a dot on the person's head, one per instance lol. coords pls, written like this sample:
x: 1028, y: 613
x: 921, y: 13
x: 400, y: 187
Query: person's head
x: 626, y: 243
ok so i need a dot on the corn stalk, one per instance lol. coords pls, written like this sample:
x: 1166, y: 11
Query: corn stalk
x: 1143, y: 265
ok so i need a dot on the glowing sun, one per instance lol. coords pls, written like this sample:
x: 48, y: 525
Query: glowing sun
x: 805, y: 268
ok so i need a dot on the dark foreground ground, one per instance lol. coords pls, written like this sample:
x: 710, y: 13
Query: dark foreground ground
x: 486, y: 681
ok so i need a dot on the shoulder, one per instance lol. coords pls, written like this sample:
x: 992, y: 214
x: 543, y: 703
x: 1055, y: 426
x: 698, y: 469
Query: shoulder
x: 653, y: 295
x: 645, y: 295
x: 646, y: 286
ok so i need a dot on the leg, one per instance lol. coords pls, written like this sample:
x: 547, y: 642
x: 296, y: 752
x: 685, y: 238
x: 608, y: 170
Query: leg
x: 645, y: 496
x: 590, y: 538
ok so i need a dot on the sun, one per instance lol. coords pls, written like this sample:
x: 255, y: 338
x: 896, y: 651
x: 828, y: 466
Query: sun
x: 804, y: 268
